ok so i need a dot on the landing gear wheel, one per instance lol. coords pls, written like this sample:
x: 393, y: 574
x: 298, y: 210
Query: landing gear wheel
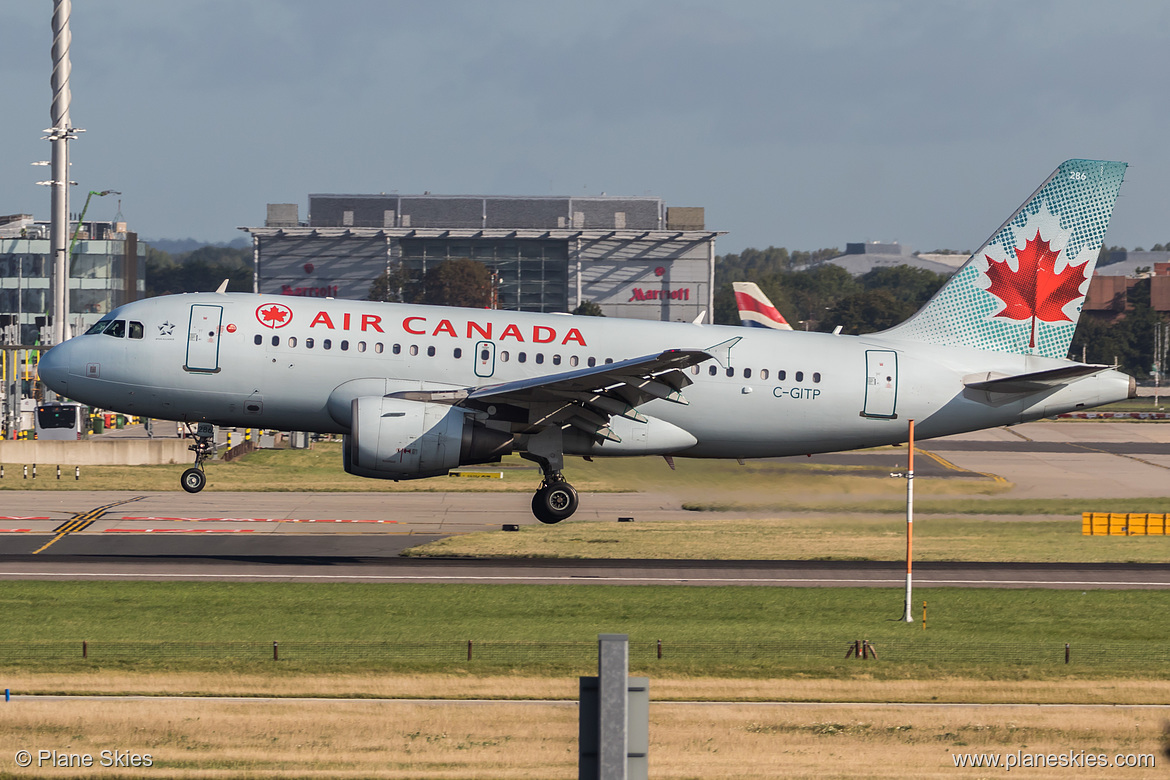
x: 554, y: 502
x: 193, y: 480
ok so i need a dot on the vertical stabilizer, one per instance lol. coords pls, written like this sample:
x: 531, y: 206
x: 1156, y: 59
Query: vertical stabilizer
x: 1023, y: 290
x: 755, y: 309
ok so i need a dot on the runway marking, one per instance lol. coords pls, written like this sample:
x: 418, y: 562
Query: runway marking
x: 1119, y: 454
x: 13, y: 517
x: 81, y: 521
x: 15, y: 530
x: 948, y: 465
x: 589, y: 579
x: 179, y: 531
x: 246, y: 520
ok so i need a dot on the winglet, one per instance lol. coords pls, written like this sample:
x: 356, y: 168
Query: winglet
x: 222, y: 288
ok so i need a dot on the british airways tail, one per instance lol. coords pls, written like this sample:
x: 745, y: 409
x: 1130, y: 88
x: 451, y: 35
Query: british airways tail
x: 755, y: 310
x: 1023, y: 290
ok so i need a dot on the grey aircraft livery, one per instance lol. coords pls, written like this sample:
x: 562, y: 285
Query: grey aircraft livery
x: 420, y: 390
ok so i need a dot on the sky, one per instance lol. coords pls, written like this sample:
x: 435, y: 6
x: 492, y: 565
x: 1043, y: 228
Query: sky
x: 803, y: 125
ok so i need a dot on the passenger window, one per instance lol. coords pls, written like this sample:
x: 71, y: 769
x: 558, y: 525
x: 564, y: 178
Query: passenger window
x: 503, y: 356
x: 484, y: 355
x: 747, y: 373
x: 521, y: 357
x: 361, y: 346
x: 344, y: 346
x: 763, y: 373
x: 413, y: 350
x: 731, y: 372
x: 292, y: 341
x: 430, y: 351
x: 816, y: 376
x: 799, y: 376
x: 259, y: 339
x: 276, y: 341
x: 539, y: 357
x: 609, y: 360
x: 117, y: 329
x: 459, y: 353
x: 695, y: 369
x: 308, y: 343
x: 556, y: 360
x: 713, y: 370
x: 378, y: 348
x: 592, y: 362
x: 135, y: 329
x: 573, y: 360
x: 781, y: 374
x: 327, y: 344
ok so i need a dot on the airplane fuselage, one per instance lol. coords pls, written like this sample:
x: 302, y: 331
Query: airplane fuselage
x: 282, y: 363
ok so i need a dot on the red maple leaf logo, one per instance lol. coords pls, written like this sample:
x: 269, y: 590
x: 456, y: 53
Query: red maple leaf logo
x: 275, y: 315
x: 1036, y: 291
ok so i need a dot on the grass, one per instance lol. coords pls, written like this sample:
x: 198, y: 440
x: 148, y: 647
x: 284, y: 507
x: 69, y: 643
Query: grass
x: 532, y: 630
x: 320, y: 470
x: 809, y: 537
x: 506, y: 740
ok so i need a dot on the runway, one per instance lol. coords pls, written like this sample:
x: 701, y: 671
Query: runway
x: 359, y: 537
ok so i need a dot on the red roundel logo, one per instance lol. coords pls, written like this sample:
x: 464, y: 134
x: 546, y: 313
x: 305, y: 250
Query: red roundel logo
x: 273, y: 315
x: 231, y: 328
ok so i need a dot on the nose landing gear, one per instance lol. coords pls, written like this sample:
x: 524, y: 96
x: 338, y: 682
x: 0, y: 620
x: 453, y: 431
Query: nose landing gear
x: 194, y: 479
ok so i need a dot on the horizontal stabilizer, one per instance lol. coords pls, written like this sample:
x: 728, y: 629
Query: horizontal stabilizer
x: 1031, y: 382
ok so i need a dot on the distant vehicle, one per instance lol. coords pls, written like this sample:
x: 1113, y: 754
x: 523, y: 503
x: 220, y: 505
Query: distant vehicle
x: 60, y: 422
x: 756, y: 309
x: 420, y: 390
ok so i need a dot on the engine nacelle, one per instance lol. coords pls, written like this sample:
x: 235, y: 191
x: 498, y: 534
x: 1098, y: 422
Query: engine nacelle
x: 391, y: 438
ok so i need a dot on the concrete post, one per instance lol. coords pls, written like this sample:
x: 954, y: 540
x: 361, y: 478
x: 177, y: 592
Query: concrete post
x: 613, y: 664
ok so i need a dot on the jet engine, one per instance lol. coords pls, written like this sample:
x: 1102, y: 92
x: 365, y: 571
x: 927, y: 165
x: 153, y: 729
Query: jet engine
x: 392, y: 438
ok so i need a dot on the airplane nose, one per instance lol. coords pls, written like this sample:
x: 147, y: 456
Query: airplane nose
x: 54, y: 368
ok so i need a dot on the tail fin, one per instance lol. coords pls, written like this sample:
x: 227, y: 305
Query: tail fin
x: 755, y: 310
x: 1022, y: 291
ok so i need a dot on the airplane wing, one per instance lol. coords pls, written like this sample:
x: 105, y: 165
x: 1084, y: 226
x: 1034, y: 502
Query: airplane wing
x: 586, y: 398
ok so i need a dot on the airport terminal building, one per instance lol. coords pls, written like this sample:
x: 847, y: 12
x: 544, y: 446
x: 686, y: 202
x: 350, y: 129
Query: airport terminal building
x: 633, y: 256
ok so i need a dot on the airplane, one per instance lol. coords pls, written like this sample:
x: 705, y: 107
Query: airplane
x: 756, y: 309
x: 420, y: 390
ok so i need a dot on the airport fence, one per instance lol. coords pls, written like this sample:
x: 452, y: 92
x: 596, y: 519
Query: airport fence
x: 1128, y: 654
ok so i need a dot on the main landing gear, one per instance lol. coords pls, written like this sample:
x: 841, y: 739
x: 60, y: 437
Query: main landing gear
x: 193, y: 479
x: 556, y: 499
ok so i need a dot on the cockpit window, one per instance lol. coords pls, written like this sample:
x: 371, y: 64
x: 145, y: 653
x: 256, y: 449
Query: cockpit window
x: 117, y: 329
x: 98, y: 326
x: 135, y: 329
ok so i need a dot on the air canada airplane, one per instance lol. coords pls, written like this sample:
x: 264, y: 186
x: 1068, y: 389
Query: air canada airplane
x: 420, y: 390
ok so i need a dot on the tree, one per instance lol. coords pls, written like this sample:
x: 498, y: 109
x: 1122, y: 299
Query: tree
x: 588, y: 309
x: 866, y: 312
x: 392, y: 286
x: 461, y: 282
x: 201, y: 270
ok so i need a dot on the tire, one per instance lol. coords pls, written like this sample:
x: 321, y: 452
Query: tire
x: 553, y: 503
x: 193, y: 480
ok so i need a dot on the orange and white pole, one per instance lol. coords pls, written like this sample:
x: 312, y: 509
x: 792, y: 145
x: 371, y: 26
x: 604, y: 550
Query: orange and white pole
x: 908, y: 613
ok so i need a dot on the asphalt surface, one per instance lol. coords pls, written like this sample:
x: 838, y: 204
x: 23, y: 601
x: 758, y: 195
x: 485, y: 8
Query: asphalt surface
x: 360, y: 536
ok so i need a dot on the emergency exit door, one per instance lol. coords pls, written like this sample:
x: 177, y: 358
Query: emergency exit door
x: 203, y: 338
x: 881, y: 384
